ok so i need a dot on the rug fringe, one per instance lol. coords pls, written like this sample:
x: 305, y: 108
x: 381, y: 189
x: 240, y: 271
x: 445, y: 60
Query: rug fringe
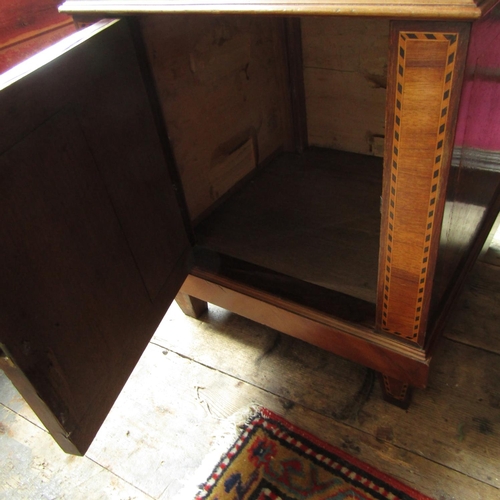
x: 228, y: 432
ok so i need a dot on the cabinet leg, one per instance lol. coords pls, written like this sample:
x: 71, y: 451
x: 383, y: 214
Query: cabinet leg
x: 395, y: 392
x: 191, y: 306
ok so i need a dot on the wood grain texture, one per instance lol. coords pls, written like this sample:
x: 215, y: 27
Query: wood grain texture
x: 222, y: 84
x: 37, y: 405
x: 475, y: 168
x: 354, y: 342
x: 294, y: 48
x: 134, y: 447
x: 469, y: 218
x: 422, y: 9
x: 28, y: 26
x: 226, y: 363
x: 284, y: 287
x: 14, y: 53
x: 191, y: 306
x: 345, y: 73
x: 458, y: 405
x: 34, y: 467
x: 301, y: 216
x: 94, y: 247
x: 49, y: 54
x: 395, y: 392
x: 476, y: 316
x: 24, y: 19
x: 425, y: 75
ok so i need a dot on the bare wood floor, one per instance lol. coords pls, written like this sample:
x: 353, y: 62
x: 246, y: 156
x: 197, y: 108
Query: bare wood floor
x: 197, y: 376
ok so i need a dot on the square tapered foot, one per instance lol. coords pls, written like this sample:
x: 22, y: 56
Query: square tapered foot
x: 191, y: 306
x: 396, y: 392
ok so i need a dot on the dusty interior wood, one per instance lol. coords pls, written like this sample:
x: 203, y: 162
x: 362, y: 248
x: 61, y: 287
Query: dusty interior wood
x: 222, y: 84
x: 345, y: 75
x: 223, y: 87
x: 314, y: 217
x: 224, y: 91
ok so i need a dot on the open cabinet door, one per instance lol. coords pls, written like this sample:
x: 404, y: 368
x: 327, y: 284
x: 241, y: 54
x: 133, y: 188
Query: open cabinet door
x: 93, y: 246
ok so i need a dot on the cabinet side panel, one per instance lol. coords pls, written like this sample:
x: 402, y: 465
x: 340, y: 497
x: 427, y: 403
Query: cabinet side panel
x: 345, y: 73
x: 222, y: 84
x: 425, y: 76
x: 475, y: 167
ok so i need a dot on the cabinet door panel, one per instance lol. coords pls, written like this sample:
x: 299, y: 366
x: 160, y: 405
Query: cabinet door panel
x: 93, y: 245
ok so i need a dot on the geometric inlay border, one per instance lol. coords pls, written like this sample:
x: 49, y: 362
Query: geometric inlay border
x: 452, y: 39
x: 403, y: 390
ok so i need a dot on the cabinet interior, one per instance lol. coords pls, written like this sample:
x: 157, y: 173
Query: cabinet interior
x: 224, y: 87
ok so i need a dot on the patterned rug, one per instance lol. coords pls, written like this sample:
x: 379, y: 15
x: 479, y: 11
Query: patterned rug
x: 274, y: 460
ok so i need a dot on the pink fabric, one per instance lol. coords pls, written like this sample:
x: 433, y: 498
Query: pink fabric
x: 479, y: 115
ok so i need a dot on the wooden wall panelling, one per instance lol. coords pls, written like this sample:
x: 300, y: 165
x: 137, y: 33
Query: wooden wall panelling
x: 425, y: 72
x: 23, y: 19
x: 28, y: 26
x: 222, y: 83
x: 345, y: 72
x: 475, y: 167
x: 13, y: 54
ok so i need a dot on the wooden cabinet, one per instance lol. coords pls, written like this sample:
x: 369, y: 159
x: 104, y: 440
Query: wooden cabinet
x: 294, y: 170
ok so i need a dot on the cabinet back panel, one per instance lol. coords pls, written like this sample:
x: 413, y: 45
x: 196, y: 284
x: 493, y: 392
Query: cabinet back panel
x: 222, y: 83
x: 345, y: 73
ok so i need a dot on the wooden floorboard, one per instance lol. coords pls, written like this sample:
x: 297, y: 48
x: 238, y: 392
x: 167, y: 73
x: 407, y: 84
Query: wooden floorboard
x: 197, y: 379
x: 34, y: 467
x: 454, y: 421
x: 476, y: 321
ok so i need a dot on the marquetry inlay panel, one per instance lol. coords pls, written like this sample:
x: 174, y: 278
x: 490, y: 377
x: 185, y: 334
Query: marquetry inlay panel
x: 417, y: 159
x: 395, y: 389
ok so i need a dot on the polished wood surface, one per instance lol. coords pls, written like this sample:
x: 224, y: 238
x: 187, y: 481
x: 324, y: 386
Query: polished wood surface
x: 94, y: 248
x: 190, y: 306
x: 318, y: 298
x: 395, y: 391
x: 15, y: 53
x: 481, y: 291
x: 360, y: 344
x: 425, y: 75
x: 419, y: 9
x: 28, y: 26
x: 475, y: 167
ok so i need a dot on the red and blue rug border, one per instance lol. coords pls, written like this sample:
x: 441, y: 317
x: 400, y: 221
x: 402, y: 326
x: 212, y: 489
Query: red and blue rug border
x: 351, y: 469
